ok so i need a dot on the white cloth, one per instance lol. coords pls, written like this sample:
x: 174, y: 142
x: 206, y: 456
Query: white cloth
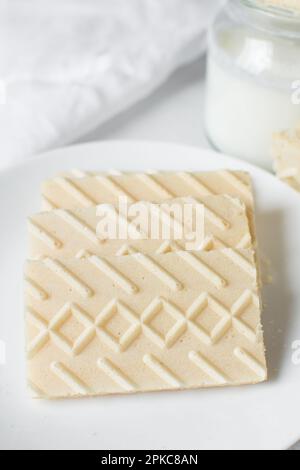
x: 66, y: 66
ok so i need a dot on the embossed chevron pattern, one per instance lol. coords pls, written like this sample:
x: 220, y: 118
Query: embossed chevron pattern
x: 208, y: 368
x: 65, y: 233
x: 33, y: 289
x: 199, y: 184
x: 142, y: 322
x: 235, y: 178
x: 68, y: 191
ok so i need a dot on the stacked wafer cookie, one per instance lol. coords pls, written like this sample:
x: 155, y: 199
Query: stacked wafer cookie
x: 286, y: 155
x: 118, y: 316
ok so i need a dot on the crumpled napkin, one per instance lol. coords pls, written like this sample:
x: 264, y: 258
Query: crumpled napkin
x: 66, y: 66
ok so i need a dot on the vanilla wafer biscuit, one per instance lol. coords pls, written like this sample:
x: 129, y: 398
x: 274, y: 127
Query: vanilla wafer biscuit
x: 71, y: 192
x: 223, y: 223
x: 143, y: 323
x: 286, y: 155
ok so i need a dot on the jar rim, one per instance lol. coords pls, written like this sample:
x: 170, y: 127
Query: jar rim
x: 277, y: 11
x: 260, y: 16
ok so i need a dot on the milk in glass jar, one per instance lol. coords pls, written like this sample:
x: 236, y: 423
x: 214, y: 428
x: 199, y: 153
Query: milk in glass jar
x: 253, y: 77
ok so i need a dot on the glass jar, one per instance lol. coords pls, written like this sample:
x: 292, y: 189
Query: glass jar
x: 253, y: 79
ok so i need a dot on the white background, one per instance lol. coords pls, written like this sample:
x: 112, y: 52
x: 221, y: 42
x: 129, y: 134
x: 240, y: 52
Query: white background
x: 174, y: 113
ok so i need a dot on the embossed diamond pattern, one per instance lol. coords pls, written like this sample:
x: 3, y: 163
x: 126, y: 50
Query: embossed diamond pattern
x: 156, y: 307
x: 222, y: 326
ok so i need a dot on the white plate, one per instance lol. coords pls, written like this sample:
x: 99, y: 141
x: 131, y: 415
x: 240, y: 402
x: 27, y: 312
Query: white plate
x: 259, y: 417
